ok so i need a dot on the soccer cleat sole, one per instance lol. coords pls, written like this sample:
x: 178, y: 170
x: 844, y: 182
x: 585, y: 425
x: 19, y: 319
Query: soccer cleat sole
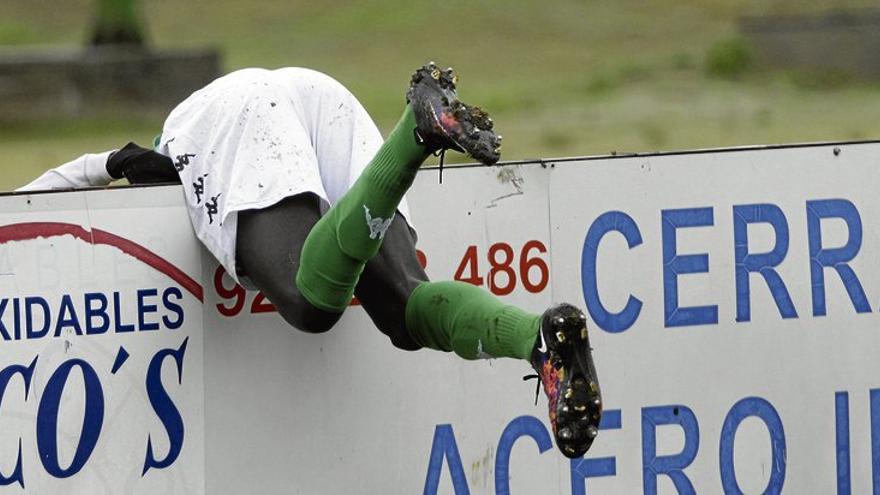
x: 460, y: 127
x: 477, y: 139
x: 579, y: 409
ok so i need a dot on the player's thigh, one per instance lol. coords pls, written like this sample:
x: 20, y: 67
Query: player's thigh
x: 388, y: 280
x: 268, y: 246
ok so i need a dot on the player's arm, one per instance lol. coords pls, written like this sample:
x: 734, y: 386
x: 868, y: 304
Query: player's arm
x: 139, y: 165
x: 88, y: 170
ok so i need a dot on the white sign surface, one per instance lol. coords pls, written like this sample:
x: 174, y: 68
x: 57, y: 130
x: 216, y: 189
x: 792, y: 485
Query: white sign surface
x: 732, y: 298
x: 101, y: 386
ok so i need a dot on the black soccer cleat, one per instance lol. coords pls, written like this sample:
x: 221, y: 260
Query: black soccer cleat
x: 444, y: 122
x: 565, y: 366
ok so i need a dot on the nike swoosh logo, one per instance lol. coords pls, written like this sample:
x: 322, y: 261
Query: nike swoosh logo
x: 543, y: 348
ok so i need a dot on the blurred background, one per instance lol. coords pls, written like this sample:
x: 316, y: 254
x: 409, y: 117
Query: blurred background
x: 561, y: 78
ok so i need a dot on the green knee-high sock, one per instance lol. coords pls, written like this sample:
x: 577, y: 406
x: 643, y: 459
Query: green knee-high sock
x: 459, y: 317
x: 334, y: 253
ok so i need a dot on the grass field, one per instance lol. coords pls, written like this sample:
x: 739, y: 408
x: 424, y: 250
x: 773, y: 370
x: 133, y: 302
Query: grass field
x: 563, y: 78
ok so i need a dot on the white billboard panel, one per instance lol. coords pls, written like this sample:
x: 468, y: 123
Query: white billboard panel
x: 737, y: 298
x: 732, y: 298
x: 345, y: 412
x: 101, y: 328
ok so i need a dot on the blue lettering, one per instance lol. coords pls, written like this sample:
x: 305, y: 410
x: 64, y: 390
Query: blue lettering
x: 675, y: 264
x: 762, y: 263
x: 875, y: 438
x: 121, y: 357
x: 763, y: 410
x: 523, y: 426
x: 16, y: 314
x: 3, y: 333
x: 6, y: 374
x: 583, y: 468
x: 144, y: 308
x: 836, y: 258
x: 165, y: 409
x: 841, y: 413
x: 607, y: 222
x: 47, y: 419
x: 29, y: 303
x: 444, y: 446
x: 67, y: 317
x: 670, y: 465
x: 117, y: 316
x: 99, y: 312
x: 173, y: 307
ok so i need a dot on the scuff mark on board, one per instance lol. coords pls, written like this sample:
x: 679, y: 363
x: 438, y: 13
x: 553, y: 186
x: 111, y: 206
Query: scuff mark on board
x: 508, y: 175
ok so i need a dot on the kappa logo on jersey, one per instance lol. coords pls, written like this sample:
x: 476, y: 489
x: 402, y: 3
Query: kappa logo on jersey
x: 377, y: 225
x: 211, y: 208
x: 199, y: 188
x: 182, y: 161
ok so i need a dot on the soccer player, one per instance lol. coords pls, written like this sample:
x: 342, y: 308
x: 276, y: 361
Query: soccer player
x: 289, y: 184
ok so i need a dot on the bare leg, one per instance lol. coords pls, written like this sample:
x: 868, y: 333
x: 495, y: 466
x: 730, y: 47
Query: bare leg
x: 269, y: 245
x: 269, y: 242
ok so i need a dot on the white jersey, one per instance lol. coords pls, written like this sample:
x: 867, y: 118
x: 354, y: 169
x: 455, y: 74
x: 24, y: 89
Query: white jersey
x: 254, y: 137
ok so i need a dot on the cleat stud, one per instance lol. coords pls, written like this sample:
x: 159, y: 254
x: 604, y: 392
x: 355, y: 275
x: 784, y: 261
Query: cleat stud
x: 584, y: 333
x: 454, y: 80
x: 569, y: 393
x: 580, y: 408
x: 569, y: 449
x: 435, y: 74
x: 594, y: 387
x: 592, y: 431
x: 559, y: 321
x: 565, y: 434
x: 560, y: 336
x: 597, y: 402
x: 566, y: 409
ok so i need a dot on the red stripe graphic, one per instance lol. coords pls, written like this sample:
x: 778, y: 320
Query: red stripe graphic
x: 34, y: 230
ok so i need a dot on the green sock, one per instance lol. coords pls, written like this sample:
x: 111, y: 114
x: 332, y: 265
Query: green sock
x: 459, y: 317
x: 338, y: 247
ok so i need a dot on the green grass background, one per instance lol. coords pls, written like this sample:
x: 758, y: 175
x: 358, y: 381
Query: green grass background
x: 561, y: 77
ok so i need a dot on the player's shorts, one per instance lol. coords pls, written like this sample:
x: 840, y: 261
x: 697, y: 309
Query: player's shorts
x: 254, y: 137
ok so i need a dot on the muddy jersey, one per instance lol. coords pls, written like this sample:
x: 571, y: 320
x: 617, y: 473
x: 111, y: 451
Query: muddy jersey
x: 256, y: 136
